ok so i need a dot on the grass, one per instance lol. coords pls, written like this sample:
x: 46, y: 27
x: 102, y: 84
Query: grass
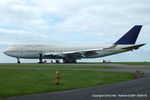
x: 17, y: 82
x: 133, y: 63
x: 56, y: 66
x: 128, y: 63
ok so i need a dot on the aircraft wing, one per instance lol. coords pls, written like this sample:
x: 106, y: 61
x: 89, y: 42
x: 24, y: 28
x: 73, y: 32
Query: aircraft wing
x: 133, y: 47
x: 82, y: 53
x: 76, y: 54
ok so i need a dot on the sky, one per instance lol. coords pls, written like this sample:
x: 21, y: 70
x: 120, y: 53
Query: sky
x: 73, y: 22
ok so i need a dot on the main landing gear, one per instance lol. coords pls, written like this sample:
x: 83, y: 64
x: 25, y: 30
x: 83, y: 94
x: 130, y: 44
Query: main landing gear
x: 18, y: 61
x: 69, y: 60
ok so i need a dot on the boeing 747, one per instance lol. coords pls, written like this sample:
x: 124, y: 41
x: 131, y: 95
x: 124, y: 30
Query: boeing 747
x: 70, y: 54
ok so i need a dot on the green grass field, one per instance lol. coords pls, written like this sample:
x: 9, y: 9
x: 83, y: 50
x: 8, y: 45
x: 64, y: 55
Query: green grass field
x: 133, y: 63
x: 17, y: 82
x: 128, y: 63
x: 55, y: 66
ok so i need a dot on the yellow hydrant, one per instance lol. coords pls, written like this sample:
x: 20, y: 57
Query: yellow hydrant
x: 57, y: 77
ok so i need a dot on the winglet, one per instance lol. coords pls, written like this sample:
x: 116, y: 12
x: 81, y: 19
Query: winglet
x: 130, y: 37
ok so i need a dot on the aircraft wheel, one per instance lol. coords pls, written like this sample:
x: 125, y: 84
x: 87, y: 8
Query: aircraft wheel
x: 18, y: 61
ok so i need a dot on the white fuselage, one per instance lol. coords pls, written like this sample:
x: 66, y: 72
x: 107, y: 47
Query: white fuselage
x: 31, y: 51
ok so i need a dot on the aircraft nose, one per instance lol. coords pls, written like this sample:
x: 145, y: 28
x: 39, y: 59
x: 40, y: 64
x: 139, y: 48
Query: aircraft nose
x: 5, y: 52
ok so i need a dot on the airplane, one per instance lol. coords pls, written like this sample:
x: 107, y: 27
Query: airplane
x: 70, y: 54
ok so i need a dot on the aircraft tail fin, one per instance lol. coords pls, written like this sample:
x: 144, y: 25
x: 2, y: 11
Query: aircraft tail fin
x: 130, y: 37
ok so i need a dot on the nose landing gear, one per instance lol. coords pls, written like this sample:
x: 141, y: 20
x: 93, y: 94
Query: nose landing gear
x: 40, y: 58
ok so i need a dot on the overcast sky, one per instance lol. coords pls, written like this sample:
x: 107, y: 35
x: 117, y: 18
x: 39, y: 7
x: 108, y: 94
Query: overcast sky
x: 74, y: 22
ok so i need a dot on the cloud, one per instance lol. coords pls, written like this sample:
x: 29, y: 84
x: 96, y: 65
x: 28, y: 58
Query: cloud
x: 22, y: 15
x: 10, y: 37
x: 106, y: 19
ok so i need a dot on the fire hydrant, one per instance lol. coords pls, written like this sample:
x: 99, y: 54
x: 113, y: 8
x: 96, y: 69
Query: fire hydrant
x: 57, y: 77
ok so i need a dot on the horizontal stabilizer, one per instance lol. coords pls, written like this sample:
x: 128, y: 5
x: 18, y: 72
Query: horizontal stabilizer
x: 133, y: 47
